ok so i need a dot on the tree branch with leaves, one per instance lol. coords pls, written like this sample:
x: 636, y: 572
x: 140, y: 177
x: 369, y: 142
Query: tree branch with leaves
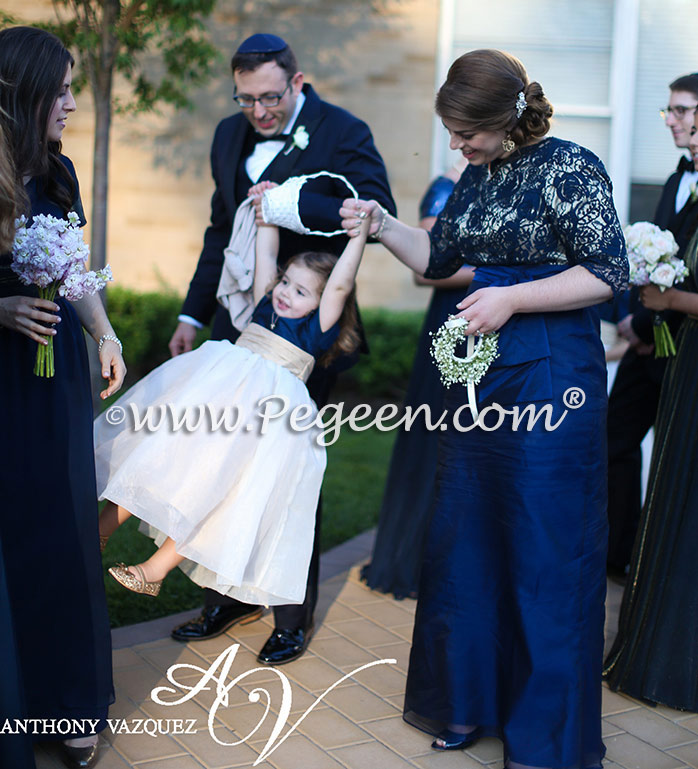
x: 158, y: 48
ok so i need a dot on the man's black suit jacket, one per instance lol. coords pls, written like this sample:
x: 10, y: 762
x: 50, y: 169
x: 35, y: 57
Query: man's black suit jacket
x: 682, y: 225
x: 339, y: 142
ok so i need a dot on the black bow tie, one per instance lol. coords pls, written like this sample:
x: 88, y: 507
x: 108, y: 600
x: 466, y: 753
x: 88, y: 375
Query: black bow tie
x: 258, y: 138
x: 685, y: 164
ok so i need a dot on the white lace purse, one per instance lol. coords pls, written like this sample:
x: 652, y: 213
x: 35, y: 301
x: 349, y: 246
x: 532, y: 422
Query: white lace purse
x: 280, y: 204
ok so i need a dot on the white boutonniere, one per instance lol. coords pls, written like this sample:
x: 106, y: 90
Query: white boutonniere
x: 300, y: 138
x: 694, y: 192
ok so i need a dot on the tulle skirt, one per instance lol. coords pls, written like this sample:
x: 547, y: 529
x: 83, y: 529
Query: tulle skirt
x: 239, y: 503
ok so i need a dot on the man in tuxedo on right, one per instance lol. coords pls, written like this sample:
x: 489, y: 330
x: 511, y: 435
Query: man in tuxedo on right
x: 633, y: 402
x: 283, y: 130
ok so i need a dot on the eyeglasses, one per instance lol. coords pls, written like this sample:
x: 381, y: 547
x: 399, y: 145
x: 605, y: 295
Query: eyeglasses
x: 679, y: 111
x: 267, y: 100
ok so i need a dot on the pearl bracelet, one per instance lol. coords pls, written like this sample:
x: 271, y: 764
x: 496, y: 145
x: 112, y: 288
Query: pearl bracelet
x: 379, y: 231
x: 110, y: 338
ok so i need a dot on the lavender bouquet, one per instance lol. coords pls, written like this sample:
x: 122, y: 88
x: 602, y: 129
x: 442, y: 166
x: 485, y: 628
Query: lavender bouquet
x: 652, y: 257
x: 51, y: 254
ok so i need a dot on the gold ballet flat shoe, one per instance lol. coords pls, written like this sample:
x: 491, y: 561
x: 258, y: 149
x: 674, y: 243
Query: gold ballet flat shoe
x: 138, y: 584
x: 103, y: 539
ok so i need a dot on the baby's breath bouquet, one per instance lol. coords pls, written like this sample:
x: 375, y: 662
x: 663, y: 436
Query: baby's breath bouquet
x: 51, y: 254
x: 652, y: 258
x: 454, y: 369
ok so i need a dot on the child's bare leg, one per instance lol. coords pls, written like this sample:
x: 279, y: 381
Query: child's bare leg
x: 111, y: 517
x: 161, y: 562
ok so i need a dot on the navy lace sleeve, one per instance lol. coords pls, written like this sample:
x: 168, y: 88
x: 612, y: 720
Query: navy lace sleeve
x: 579, y: 194
x: 549, y: 203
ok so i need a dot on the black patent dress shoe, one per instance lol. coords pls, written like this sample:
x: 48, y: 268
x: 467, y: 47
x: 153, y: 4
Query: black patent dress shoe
x: 215, y: 620
x: 80, y: 758
x: 285, y: 645
x: 456, y: 740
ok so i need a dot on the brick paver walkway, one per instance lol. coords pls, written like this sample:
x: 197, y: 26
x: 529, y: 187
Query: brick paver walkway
x: 358, y: 725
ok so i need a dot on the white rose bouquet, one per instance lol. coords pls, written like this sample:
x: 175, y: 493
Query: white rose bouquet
x: 652, y: 257
x: 51, y: 254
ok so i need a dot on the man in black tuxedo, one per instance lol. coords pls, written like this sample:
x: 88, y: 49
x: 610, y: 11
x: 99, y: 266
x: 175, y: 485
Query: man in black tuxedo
x: 633, y: 402
x: 283, y: 130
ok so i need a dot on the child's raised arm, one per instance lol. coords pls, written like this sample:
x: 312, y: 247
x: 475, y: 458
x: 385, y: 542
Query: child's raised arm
x: 266, y: 252
x: 341, y: 281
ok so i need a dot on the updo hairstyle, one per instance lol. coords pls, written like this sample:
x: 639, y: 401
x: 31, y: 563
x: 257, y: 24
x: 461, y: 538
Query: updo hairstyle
x: 481, y: 93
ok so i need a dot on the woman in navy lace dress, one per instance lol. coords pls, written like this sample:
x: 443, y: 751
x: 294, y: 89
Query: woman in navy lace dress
x: 508, y: 636
x: 48, y: 527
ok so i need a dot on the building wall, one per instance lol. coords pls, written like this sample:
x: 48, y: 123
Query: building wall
x: 375, y: 59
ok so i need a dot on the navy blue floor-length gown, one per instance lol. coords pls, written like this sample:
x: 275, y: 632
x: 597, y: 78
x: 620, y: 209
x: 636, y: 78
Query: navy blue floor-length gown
x: 48, y: 527
x: 508, y: 633
x: 654, y: 654
x: 408, y: 498
x: 15, y: 749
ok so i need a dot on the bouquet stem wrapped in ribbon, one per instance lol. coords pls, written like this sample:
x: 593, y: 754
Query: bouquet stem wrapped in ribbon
x: 652, y: 257
x: 51, y: 254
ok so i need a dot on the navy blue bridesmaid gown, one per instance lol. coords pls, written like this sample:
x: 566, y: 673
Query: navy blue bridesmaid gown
x: 408, y: 497
x: 654, y: 655
x: 48, y: 527
x: 508, y: 632
x: 15, y: 749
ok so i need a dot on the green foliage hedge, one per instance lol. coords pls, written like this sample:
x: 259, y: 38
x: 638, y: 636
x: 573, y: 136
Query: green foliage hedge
x: 392, y: 339
x: 145, y: 322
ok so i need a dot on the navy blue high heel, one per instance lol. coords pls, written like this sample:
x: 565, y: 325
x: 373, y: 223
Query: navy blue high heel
x: 456, y: 740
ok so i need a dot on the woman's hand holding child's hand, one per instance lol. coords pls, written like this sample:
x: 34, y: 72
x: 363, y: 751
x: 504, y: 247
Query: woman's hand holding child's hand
x: 352, y: 219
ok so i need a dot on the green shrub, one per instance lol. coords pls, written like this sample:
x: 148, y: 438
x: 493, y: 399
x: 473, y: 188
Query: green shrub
x: 145, y: 323
x: 392, y: 340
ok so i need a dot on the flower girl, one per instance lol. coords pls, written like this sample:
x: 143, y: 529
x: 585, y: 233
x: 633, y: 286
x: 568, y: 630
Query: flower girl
x: 234, y: 508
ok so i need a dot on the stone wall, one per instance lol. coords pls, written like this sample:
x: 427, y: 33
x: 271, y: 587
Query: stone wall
x: 376, y: 59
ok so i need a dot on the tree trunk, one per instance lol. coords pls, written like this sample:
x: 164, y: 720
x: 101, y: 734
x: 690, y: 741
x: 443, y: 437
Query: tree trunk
x: 101, y: 80
x: 101, y: 73
x: 100, y: 179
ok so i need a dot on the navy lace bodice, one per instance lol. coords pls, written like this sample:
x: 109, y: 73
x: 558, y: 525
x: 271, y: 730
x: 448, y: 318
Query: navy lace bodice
x: 549, y: 203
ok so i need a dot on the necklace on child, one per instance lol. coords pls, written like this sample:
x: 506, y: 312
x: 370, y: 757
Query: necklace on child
x: 274, y: 319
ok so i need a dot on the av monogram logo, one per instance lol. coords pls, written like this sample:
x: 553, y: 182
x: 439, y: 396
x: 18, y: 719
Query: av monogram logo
x: 217, y: 674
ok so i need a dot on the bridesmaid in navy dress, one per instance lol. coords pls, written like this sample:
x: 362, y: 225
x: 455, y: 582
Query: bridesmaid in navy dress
x: 654, y: 654
x: 48, y: 527
x: 409, y: 490
x: 508, y: 636
x: 15, y: 750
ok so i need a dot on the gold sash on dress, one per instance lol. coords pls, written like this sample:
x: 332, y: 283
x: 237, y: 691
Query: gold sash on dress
x: 274, y: 348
